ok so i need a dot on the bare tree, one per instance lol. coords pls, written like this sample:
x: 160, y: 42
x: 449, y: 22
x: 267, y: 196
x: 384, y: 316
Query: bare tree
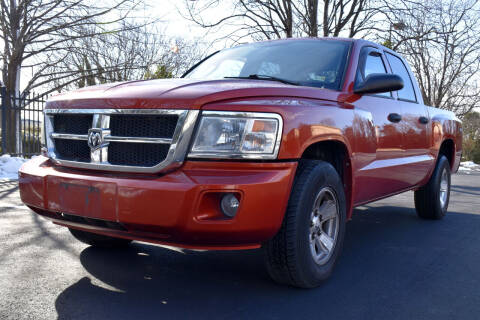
x: 99, y: 59
x: 132, y: 54
x: 257, y: 19
x: 334, y: 17
x: 109, y: 57
x: 33, y: 28
x: 34, y: 32
x: 274, y: 19
x: 307, y: 11
x: 441, y: 41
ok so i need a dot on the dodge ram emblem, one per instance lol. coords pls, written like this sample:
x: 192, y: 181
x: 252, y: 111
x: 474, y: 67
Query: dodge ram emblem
x: 95, y: 138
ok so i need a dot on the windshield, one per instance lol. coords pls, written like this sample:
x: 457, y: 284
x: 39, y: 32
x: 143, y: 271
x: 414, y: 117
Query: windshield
x: 315, y: 63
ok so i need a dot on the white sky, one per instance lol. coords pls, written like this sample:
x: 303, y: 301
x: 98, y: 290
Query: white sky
x: 176, y: 25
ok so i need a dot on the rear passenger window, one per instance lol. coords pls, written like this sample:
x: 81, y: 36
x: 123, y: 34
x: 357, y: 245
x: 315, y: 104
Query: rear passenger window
x: 398, y: 68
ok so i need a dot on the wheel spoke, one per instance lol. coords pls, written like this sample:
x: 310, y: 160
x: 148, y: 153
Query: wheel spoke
x: 444, y: 185
x: 326, y: 241
x: 318, y: 244
x: 316, y: 205
x: 324, y: 224
x: 328, y: 210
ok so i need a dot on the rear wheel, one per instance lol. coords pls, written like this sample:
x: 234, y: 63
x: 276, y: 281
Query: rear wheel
x: 99, y: 240
x: 431, y: 200
x: 304, y: 251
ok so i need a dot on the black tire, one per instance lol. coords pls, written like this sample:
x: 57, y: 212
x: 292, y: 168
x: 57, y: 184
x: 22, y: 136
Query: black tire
x: 98, y: 240
x: 428, y: 198
x: 288, y: 256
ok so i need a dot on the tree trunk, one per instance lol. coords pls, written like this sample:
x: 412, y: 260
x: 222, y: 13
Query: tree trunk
x: 326, y: 4
x: 13, y: 145
x: 313, y: 18
x: 13, y: 54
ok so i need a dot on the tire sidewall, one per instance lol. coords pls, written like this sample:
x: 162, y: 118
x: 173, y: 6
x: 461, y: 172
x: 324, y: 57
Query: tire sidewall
x: 323, y: 176
x: 443, y: 164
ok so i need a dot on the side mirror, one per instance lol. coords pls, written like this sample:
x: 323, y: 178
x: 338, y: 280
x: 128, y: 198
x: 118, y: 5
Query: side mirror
x: 378, y: 83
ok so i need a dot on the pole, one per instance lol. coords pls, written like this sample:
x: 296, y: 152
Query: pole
x: 3, y: 105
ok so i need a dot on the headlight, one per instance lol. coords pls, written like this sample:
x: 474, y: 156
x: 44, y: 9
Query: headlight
x: 249, y: 135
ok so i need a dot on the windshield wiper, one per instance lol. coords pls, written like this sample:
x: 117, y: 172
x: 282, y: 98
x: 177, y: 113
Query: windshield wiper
x: 265, y: 77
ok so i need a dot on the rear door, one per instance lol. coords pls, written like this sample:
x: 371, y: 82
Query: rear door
x: 414, y: 125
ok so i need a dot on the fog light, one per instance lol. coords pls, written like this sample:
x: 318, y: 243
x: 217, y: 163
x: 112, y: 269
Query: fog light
x: 229, y: 205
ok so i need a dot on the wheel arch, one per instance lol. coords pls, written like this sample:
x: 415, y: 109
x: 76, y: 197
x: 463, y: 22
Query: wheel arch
x: 336, y: 153
x: 447, y: 148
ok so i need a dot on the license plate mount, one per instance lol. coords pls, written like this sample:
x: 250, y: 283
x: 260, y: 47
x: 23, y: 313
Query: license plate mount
x: 90, y: 199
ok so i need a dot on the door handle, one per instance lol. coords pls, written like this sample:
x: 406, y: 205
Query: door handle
x: 423, y: 120
x: 394, y: 117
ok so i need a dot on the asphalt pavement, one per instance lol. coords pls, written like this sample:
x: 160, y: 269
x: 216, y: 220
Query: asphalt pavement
x: 394, y: 266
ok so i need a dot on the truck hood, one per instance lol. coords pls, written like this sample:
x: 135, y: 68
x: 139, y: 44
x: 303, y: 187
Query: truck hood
x: 180, y: 93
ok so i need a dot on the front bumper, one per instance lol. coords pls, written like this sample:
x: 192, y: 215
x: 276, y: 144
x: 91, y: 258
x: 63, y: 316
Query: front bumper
x: 180, y: 208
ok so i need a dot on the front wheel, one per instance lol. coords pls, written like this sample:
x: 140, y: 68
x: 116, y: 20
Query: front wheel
x: 431, y: 200
x: 304, y: 251
x: 98, y: 240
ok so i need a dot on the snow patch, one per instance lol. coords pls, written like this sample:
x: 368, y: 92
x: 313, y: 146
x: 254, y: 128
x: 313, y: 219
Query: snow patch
x: 469, y: 167
x: 9, y: 166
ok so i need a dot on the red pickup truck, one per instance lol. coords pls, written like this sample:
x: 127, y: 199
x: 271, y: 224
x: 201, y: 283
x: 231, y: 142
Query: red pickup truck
x: 269, y: 144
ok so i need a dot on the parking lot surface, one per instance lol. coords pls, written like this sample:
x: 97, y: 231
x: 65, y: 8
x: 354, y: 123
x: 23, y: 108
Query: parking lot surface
x: 394, y: 266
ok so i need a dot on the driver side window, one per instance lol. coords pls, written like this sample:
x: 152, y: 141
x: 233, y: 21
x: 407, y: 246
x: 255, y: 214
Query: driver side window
x: 370, y: 63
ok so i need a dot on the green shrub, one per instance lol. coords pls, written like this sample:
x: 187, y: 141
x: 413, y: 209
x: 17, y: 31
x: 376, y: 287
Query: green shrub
x: 476, y: 152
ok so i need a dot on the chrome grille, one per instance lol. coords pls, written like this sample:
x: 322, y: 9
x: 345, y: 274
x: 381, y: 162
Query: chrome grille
x: 119, y: 139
